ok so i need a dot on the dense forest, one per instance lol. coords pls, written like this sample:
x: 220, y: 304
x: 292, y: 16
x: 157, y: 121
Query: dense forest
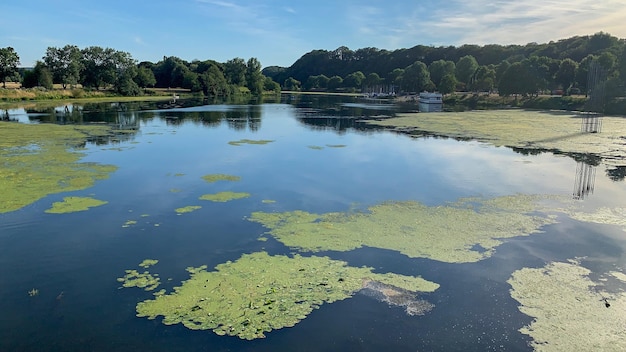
x: 561, y: 66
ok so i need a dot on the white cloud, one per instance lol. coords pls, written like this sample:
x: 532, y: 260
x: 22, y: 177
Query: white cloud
x: 515, y: 22
x: 482, y: 22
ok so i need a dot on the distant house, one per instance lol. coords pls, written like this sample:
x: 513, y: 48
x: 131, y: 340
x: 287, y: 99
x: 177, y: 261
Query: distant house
x: 430, y: 102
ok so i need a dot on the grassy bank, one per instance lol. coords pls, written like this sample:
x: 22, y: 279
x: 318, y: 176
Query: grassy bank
x: 18, y: 97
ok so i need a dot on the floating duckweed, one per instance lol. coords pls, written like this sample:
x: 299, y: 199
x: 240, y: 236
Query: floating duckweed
x: 148, y: 263
x: 179, y: 175
x: 250, y: 141
x: 619, y: 275
x: 604, y: 215
x: 315, y: 147
x: 268, y: 201
x: 569, y: 310
x: 521, y: 128
x: 259, y: 293
x: 144, y: 280
x: 187, y: 209
x: 74, y: 204
x: 224, y: 196
x: 336, y: 145
x: 220, y: 177
x: 41, y: 159
x: 175, y: 190
x: 447, y: 233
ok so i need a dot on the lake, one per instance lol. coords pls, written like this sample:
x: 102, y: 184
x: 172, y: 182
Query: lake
x: 59, y: 287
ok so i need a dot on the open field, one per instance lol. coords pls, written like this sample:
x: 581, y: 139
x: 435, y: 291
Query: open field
x: 15, y: 97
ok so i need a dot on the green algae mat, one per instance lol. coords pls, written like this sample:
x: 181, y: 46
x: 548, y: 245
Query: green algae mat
x: 259, y: 293
x: 41, y: 159
x: 559, y: 131
x: 187, y: 209
x: 211, y: 178
x: 74, y: 204
x: 571, y: 312
x: 224, y: 196
x: 250, y: 141
x: 449, y: 233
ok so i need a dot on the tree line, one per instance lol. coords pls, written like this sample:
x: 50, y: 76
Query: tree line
x: 528, y: 69
x: 509, y: 69
x: 99, y: 68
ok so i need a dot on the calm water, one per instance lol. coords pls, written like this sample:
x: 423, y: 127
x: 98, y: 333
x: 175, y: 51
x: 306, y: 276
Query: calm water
x: 81, y: 254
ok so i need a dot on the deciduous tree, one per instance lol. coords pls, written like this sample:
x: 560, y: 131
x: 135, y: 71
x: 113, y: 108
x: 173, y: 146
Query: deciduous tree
x: 354, y: 80
x: 465, y: 69
x: 254, y: 77
x: 566, y: 75
x: 416, y: 77
x: 447, y: 84
x: 64, y: 64
x: 40, y: 76
x: 484, y: 79
x: 235, y: 71
x: 145, y: 77
x: 9, y: 60
x: 440, y: 68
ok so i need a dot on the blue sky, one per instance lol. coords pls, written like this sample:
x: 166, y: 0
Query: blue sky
x: 278, y: 32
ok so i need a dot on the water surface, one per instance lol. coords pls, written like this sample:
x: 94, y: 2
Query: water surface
x: 320, y: 159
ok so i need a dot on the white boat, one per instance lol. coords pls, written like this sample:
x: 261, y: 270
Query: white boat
x: 430, y: 102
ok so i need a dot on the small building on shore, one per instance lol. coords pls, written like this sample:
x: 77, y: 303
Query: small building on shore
x: 430, y: 102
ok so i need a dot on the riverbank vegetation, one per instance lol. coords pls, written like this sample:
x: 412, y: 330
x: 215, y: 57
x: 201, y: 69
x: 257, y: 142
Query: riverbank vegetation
x: 522, y: 72
x: 525, y: 73
x: 97, y: 71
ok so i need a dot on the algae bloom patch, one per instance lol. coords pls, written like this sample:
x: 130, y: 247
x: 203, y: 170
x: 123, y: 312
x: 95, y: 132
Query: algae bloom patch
x: 148, y: 263
x: 259, y: 293
x: 449, y: 233
x: 250, y: 141
x: 187, y: 209
x: 74, y: 204
x: 603, y: 215
x: 144, y: 280
x: 520, y: 128
x: 224, y: 196
x: 220, y: 177
x: 570, y: 311
x: 41, y: 159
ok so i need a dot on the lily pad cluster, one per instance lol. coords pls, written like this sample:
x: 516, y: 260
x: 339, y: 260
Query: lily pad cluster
x: 259, y: 293
x: 448, y: 233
